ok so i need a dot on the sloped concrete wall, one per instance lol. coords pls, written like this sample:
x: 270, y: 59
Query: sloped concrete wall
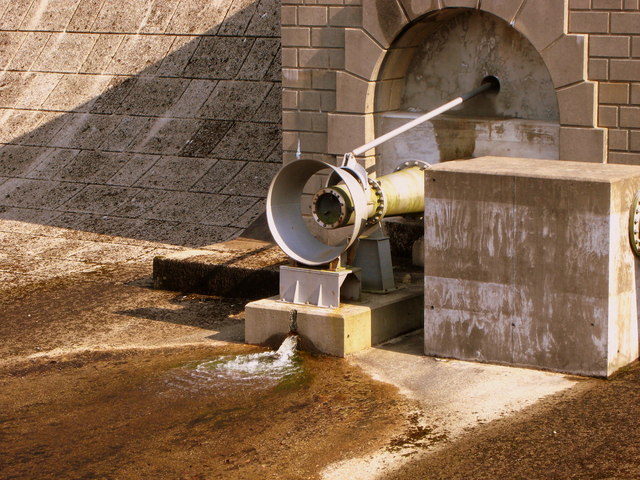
x: 157, y: 120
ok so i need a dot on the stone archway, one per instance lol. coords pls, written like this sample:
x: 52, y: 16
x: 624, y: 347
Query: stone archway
x: 382, y: 40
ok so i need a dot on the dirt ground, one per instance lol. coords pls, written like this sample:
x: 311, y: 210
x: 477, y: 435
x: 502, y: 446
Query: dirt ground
x: 589, y: 432
x: 95, y: 384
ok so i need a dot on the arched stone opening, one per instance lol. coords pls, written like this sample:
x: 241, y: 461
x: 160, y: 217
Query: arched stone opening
x: 376, y: 53
x: 446, y: 53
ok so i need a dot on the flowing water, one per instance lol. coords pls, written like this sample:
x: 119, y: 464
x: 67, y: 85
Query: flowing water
x: 254, y: 370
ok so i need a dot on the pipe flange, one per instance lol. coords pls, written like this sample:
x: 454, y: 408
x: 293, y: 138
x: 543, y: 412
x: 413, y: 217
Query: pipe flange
x: 634, y: 224
x: 344, y: 208
x: 413, y: 163
x: 380, y: 207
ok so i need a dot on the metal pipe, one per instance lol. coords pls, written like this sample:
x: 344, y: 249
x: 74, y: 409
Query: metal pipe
x: 398, y: 193
x: 488, y: 83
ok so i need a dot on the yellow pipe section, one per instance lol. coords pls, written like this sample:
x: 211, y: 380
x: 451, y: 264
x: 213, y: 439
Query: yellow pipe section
x: 402, y: 193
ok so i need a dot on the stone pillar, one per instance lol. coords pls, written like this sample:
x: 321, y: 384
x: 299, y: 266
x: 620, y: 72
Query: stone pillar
x: 528, y: 262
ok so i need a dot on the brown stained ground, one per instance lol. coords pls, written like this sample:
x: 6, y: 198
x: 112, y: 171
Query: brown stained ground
x: 589, y: 432
x: 93, y: 411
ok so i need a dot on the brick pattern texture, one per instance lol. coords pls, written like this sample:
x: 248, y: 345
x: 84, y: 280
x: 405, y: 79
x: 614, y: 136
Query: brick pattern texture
x: 157, y: 120
x: 613, y: 31
x: 331, y: 50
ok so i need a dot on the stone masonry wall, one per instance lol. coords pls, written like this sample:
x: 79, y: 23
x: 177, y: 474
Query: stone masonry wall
x: 613, y: 32
x: 155, y: 120
x: 340, y: 64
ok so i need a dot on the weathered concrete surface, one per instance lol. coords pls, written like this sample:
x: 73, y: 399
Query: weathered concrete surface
x: 154, y: 121
x: 460, y: 52
x: 240, y: 267
x: 452, y: 137
x: 527, y: 262
x: 340, y: 331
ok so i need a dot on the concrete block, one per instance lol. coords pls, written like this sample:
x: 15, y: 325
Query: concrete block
x: 352, y: 327
x: 234, y: 268
x: 528, y: 262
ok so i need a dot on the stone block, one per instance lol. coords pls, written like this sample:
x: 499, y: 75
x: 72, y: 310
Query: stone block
x: 347, y: 16
x: 607, y: 4
x: 635, y: 94
x: 580, y: 4
x: 582, y: 144
x: 218, y: 57
x: 608, y: 116
x: 508, y: 245
x: 313, y: 15
x: 505, y: 10
x: 613, y: 93
x: 347, y: 132
x: 598, y: 69
x: 566, y: 60
x: 65, y: 52
x: 383, y: 20
x: 618, y: 140
x: 253, y: 180
x: 353, y: 94
x: 607, y: 46
x: 625, y: 23
x: 327, y: 37
x: 588, y: 22
x: 624, y: 70
x: 175, y: 173
x: 541, y: 22
x: 577, y: 104
x: 417, y: 8
x: 352, y: 327
x: 92, y: 166
x: 317, y: 58
x: 296, y: 36
x: 461, y: 3
x: 265, y: 21
x: 630, y: 117
x: 234, y: 100
x: 626, y: 158
x: 363, y: 55
x: 248, y: 141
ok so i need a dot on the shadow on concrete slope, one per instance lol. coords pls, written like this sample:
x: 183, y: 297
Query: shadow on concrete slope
x: 157, y: 121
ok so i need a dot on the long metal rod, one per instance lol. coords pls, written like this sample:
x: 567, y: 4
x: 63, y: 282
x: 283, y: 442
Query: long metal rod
x: 423, y: 118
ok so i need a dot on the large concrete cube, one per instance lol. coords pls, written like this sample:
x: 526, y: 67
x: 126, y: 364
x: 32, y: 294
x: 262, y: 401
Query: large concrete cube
x: 528, y: 262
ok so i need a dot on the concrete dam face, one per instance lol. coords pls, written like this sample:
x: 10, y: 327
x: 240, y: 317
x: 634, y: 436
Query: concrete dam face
x: 157, y: 121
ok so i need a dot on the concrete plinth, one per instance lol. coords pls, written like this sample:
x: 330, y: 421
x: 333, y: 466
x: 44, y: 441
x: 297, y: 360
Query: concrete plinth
x: 350, y: 328
x: 528, y: 262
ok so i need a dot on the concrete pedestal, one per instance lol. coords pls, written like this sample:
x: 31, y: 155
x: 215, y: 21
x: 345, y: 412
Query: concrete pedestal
x: 528, y: 262
x: 337, y: 331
